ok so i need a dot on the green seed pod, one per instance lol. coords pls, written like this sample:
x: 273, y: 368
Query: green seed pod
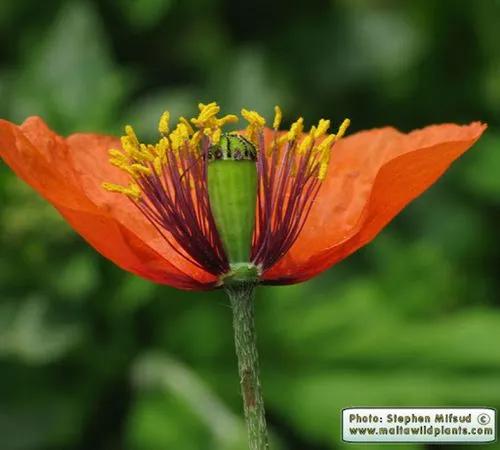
x: 232, y: 189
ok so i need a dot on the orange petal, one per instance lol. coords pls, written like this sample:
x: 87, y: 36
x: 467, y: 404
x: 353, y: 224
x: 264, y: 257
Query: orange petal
x: 53, y: 166
x: 129, y: 252
x: 373, y: 175
x: 41, y: 165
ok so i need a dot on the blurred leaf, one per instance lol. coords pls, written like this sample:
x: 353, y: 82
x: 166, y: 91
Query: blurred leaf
x: 170, y: 376
x: 373, y: 47
x: 27, y: 333
x: 70, y: 78
x: 146, y: 112
x: 313, y: 401
x: 250, y: 84
x: 425, y: 286
x: 25, y: 213
x: 211, y: 322
x: 77, y: 278
x: 455, y: 228
x: 132, y: 294
x: 344, y: 348
x: 145, y: 13
x: 39, y: 423
x: 158, y: 421
x: 491, y: 87
x: 355, y: 329
x: 482, y: 172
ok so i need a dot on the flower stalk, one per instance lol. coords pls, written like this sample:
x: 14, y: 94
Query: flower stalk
x: 241, y: 295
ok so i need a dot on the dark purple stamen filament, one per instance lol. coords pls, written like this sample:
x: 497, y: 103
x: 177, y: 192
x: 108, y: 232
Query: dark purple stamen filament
x: 288, y: 186
x: 176, y: 203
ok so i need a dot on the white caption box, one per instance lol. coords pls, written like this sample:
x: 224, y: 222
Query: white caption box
x: 451, y: 425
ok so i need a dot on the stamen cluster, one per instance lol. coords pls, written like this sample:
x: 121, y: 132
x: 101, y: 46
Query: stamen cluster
x: 290, y: 177
x: 168, y: 183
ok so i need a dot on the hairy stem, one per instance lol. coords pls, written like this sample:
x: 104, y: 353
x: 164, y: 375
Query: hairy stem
x: 241, y: 295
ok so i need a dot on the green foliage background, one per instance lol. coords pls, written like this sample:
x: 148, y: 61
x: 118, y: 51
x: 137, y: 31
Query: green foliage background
x: 94, y: 358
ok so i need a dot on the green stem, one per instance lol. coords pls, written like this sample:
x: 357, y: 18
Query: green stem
x: 241, y: 294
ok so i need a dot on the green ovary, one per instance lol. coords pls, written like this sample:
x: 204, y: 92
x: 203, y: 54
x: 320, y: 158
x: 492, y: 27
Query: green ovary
x: 232, y: 189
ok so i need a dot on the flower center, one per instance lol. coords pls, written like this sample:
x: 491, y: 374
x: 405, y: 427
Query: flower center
x: 226, y: 201
x: 232, y: 188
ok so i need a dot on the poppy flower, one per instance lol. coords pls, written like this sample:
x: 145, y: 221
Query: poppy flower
x: 203, y: 208
x: 191, y: 209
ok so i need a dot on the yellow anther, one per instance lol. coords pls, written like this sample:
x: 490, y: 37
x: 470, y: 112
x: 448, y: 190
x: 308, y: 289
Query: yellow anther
x: 324, y: 149
x: 129, y: 131
x: 208, y: 112
x: 282, y: 139
x: 208, y: 124
x: 202, y: 106
x: 216, y: 136
x: 118, y: 155
x: 323, y: 126
x: 158, y: 165
x: 184, y: 130
x: 179, y: 136
x: 342, y: 129
x: 253, y: 118
x: 128, y: 145
x: 207, y: 119
x: 151, y: 149
x: 326, y: 143
x: 122, y: 166
x: 277, y: 117
x: 162, y: 147
x: 306, y: 143
x: 133, y: 191
x: 145, y: 153
x: 175, y: 142
x: 163, y: 125
x: 229, y: 118
x: 296, y: 129
x: 111, y: 187
x: 196, y: 139
x: 186, y: 123
x: 255, y: 123
x: 139, y: 169
x: 323, y: 169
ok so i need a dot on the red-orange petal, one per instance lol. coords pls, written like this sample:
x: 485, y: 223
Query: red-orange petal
x: 66, y: 173
x: 373, y: 175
